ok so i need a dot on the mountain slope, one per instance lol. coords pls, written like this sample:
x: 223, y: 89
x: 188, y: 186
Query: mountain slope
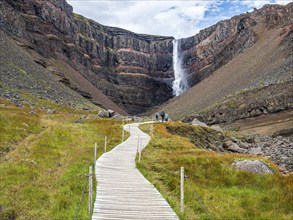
x: 133, y: 70
x: 23, y: 80
x: 268, y: 61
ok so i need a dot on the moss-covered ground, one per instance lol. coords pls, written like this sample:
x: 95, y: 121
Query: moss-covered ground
x: 225, y: 192
x: 44, y: 160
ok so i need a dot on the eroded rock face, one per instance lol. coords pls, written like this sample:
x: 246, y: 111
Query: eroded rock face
x: 260, y: 101
x: 134, y: 70
x: 215, y: 46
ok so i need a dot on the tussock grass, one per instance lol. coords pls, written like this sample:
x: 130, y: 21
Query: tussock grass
x: 226, y: 193
x: 44, y: 160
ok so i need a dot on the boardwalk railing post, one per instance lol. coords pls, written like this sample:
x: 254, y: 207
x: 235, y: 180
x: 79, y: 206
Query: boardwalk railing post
x: 137, y: 144
x: 95, y: 155
x: 90, y: 189
x: 105, y: 145
x: 182, y: 190
x: 122, y: 134
x: 151, y: 129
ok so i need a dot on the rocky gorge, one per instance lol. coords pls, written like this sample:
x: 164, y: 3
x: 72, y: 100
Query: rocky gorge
x: 134, y: 70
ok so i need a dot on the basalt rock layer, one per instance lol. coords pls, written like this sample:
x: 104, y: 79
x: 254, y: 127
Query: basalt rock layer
x: 129, y: 68
x: 215, y: 46
x: 134, y: 70
x: 230, y: 68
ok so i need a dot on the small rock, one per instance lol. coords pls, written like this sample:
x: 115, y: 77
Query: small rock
x: 255, y: 151
x: 82, y: 117
x: 217, y: 128
x: 197, y: 122
x: 243, y: 145
x: 229, y: 145
x: 219, y: 145
x: 111, y: 113
x: 103, y: 114
x: 79, y: 121
x: 234, y: 139
x: 252, y: 166
x: 117, y: 117
x: 25, y: 124
x: 51, y: 111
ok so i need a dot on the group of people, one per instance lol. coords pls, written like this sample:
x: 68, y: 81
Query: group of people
x: 164, y: 116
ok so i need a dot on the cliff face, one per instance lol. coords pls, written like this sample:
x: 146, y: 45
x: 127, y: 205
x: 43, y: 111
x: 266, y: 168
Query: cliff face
x: 129, y: 68
x: 267, y: 59
x: 134, y: 70
x: 215, y: 46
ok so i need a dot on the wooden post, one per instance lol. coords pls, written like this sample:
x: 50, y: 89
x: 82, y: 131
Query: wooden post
x: 105, y: 145
x: 182, y: 190
x: 151, y: 129
x: 123, y: 134
x: 95, y: 155
x: 90, y: 189
x: 129, y: 128
x: 137, y: 144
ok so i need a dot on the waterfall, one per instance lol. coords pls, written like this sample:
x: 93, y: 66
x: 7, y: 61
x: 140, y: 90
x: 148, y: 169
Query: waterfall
x: 180, y: 82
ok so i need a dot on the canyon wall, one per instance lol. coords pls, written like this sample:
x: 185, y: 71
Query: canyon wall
x: 134, y: 70
x: 215, y: 46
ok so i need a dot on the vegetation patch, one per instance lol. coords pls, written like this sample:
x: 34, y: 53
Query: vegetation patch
x: 225, y: 192
x: 44, y: 160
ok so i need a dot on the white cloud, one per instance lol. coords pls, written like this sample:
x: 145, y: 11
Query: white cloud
x: 167, y: 18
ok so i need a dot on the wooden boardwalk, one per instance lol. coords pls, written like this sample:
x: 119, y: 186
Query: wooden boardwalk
x: 122, y: 191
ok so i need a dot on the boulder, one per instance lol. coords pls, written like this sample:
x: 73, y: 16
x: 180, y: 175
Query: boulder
x: 252, y: 166
x: 243, y: 145
x: 103, y: 114
x: 219, y: 146
x: 255, y: 151
x: 217, y: 128
x: 197, y: 122
x: 231, y: 146
x: 111, y: 113
x: 117, y: 117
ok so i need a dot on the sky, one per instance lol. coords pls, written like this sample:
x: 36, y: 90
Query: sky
x: 175, y: 18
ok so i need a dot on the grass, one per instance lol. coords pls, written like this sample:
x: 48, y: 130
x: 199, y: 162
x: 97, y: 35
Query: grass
x: 44, y: 160
x: 225, y: 192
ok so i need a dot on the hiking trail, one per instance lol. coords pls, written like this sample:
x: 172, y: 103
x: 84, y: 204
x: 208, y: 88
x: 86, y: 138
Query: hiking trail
x: 122, y: 191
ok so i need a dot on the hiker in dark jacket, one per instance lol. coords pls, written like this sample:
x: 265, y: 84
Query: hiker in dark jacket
x: 163, y: 115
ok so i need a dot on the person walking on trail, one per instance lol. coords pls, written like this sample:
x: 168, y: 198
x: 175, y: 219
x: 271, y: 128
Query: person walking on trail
x: 157, y: 116
x: 163, y: 115
x: 166, y: 117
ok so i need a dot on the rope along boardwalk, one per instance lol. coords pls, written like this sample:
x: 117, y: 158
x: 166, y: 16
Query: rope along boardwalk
x: 122, y: 191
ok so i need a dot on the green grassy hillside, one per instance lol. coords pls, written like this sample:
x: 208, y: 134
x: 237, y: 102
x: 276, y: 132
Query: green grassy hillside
x: 225, y: 192
x: 44, y: 160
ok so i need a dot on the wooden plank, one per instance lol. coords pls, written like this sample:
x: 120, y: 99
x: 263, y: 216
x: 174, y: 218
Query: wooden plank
x: 122, y: 191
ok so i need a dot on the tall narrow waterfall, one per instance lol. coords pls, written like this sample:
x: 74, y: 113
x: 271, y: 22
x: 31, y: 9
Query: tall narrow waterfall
x: 180, y: 83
